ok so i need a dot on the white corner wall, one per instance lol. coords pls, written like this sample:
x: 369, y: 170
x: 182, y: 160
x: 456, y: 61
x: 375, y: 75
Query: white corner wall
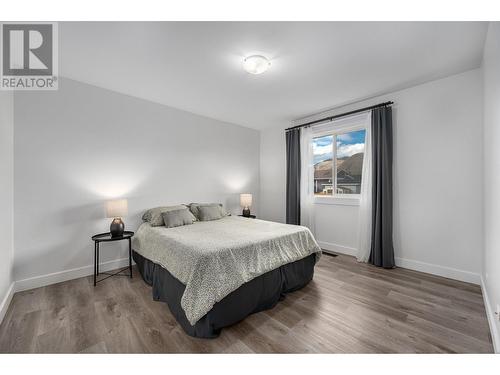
x: 6, y: 199
x: 81, y: 145
x: 491, y: 261
x: 437, y: 179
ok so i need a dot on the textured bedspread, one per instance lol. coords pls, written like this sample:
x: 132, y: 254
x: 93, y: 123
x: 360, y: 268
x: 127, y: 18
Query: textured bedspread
x: 214, y: 258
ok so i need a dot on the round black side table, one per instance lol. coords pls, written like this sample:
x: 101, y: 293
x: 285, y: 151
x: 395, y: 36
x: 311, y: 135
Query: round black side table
x: 106, y: 237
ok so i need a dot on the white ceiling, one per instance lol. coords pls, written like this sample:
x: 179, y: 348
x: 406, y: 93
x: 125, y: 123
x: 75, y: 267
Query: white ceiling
x: 197, y: 66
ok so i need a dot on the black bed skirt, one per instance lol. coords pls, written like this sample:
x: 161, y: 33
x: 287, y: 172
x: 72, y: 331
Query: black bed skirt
x: 259, y: 294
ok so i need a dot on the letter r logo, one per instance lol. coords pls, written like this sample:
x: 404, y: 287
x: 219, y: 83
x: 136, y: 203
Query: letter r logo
x: 27, y: 49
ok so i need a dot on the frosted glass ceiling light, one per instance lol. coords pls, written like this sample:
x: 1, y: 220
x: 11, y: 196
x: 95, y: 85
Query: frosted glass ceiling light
x: 256, y: 64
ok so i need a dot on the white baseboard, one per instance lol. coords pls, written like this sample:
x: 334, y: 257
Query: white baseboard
x: 434, y: 269
x: 6, y: 301
x: 75, y: 273
x: 338, y: 248
x: 492, y: 318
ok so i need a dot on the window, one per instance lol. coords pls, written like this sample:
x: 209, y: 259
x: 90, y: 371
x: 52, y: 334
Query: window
x: 338, y: 162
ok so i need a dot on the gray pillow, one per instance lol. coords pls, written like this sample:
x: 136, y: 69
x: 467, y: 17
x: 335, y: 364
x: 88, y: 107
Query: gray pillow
x: 177, y: 218
x: 209, y: 212
x: 194, y: 208
x: 153, y: 215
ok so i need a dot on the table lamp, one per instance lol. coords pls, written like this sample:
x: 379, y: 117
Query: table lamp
x: 117, y: 209
x: 246, y: 203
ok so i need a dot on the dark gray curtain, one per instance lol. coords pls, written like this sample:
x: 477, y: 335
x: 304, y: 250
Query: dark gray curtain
x: 293, y: 176
x: 382, y: 250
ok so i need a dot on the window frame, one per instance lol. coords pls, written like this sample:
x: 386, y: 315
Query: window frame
x: 334, y: 128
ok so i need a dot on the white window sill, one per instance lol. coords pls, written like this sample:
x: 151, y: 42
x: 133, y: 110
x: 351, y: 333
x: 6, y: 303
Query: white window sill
x: 338, y: 201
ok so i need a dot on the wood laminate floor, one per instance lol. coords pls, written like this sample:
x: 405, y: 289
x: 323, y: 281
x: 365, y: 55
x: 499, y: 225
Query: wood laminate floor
x: 347, y: 308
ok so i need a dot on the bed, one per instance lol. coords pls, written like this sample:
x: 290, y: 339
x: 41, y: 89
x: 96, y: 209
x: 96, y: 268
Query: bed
x: 213, y: 274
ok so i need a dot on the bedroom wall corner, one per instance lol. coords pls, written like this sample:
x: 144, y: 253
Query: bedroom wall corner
x: 6, y: 200
x: 490, y: 280
x: 272, y: 174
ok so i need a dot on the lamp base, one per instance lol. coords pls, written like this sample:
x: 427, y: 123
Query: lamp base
x: 246, y: 212
x: 117, y: 227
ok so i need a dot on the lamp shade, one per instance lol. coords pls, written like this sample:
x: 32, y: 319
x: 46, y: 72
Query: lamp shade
x: 117, y: 208
x: 245, y: 200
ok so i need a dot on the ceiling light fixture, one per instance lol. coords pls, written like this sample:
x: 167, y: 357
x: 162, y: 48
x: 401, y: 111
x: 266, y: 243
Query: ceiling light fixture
x: 256, y: 64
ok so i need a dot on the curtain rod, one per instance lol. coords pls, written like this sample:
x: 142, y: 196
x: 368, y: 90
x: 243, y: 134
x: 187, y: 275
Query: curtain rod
x: 330, y: 118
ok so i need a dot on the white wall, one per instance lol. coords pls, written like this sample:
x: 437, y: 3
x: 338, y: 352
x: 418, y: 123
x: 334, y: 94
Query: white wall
x: 81, y: 145
x: 6, y: 198
x: 491, y: 261
x: 437, y: 179
x: 272, y: 174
